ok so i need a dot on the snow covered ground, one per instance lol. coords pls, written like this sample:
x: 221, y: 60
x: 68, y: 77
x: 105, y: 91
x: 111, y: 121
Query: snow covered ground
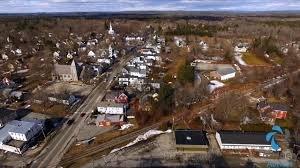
x: 239, y: 58
x: 143, y: 137
x: 214, y: 84
x: 125, y: 126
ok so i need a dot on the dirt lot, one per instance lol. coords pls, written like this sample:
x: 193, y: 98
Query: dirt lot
x: 74, y: 88
x: 156, y: 152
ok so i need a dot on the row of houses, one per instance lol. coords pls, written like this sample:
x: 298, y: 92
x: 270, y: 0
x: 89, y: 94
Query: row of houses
x: 228, y: 141
x: 113, y: 109
x: 136, y: 71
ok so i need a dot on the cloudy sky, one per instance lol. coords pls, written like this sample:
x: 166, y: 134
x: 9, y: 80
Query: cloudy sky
x: 33, y: 6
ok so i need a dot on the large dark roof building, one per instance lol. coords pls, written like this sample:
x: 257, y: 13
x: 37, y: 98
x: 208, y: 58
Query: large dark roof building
x: 191, y: 140
x: 243, y: 140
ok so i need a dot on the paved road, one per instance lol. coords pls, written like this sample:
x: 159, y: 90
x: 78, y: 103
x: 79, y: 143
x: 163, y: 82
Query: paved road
x: 52, y: 154
x: 119, y: 140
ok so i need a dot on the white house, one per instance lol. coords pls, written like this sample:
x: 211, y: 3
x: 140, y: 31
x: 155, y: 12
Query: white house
x: 4, y: 57
x: 134, y: 38
x: 203, y: 45
x: 56, y: 55
x: 153, y: 57
x: 241, y: 140
x: 241, y: 48
x: 21, y: 131
x: 91, y: 54
x: 62, y: 98
x: 104, y: 60
x: 18, y: 52
x: 223, y: 73
x: 134, y: 71
x: 180, y: 41
x: 131, y: 80
x: 111, y: 108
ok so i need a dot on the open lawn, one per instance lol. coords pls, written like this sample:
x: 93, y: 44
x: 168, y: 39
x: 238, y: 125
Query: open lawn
x: 278, y: 60
x: 252, y: 59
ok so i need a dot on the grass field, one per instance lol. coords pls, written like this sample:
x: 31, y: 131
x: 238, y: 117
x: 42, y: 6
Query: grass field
x: 278, y: 60
x: 252, y: 59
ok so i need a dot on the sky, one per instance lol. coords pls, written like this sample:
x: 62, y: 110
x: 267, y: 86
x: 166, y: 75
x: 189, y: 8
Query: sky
x: 35, y: 6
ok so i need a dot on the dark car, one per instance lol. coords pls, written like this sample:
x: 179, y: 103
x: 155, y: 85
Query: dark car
x: 70, y: 122
x: 82, y: 114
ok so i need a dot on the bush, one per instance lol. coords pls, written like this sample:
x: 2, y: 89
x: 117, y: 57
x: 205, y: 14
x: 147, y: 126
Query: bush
x: 165, y: 103
x: 185, y: 73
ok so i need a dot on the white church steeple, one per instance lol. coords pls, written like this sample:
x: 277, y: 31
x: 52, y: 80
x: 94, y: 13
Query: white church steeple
x: 111, y: 31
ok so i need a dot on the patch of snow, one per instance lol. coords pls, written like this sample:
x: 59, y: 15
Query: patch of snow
x: 143, y: 137
x: 125, y: 126
x: 203, y: 61
x: 239, y: 59
x: 214, y: 84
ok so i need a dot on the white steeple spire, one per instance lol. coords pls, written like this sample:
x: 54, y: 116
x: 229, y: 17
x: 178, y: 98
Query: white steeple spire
x: 111, y: 31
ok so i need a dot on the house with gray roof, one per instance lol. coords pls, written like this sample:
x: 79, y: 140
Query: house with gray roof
x: 15, y: 135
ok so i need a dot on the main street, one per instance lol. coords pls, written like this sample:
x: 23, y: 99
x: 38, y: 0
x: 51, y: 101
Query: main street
x: 54, y: 151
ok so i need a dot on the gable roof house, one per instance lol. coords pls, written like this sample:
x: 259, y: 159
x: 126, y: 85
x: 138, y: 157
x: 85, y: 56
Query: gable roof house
x: 241, y: 48
x: 223, y: 73
x: 116, y: 96
x: 271, y: 111
x: 131, y: 80
x: 62, y: 98
x: 134, y: 71
x: 242, y: 140
x: 191, y: 140
x: 14, y: 137
x: 67, y: 72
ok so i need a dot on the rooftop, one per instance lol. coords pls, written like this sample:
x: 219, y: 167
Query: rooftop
x: 226, y: 71
x: 191, y: 137
x: 21, y: 126
x: 5, y: 112
x: 109, y: 117
x: 281, y: 107
x: 110, y: 104
x: 243, y: 137
x: 112, y: 94
x: 4, y: 132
